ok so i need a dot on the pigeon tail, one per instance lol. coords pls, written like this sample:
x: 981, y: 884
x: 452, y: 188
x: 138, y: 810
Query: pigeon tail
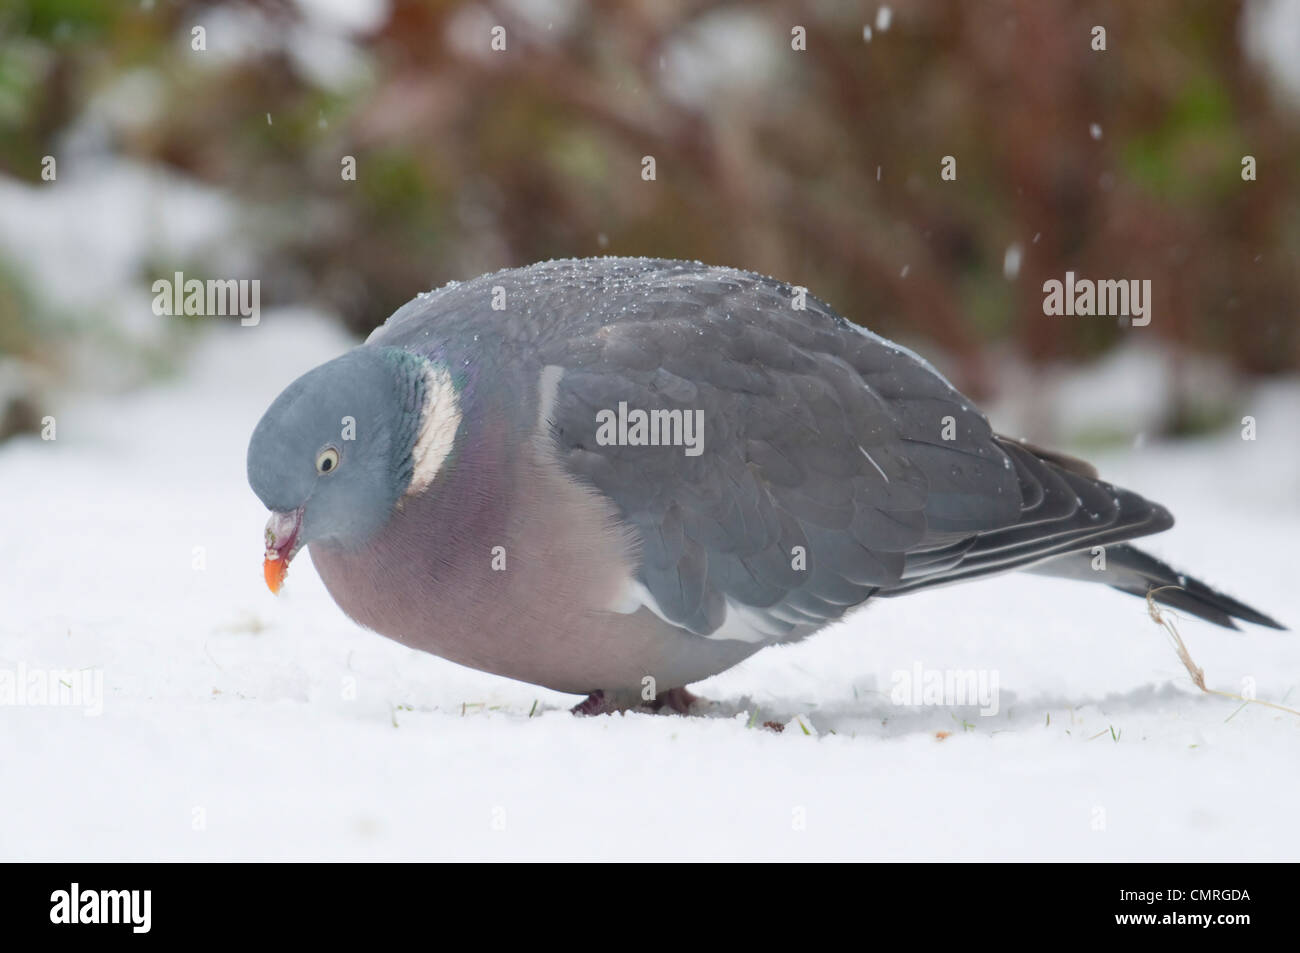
x: 1131, y: 570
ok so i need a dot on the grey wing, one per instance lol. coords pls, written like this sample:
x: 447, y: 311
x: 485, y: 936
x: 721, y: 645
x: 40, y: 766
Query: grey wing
x: 834, y: 465
x: 1064, y: 508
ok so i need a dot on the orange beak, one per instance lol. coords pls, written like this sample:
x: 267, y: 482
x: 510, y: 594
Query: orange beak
x: 281, y: 546
x: 275, y: 569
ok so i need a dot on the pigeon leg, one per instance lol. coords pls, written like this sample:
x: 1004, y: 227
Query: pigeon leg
x: 593, y: 704
x: 677, y: 700
x: 674, y: 701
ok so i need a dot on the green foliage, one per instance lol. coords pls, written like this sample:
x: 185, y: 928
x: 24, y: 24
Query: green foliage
x: 17, y: 333
x: 821, y: 167
x: 65, y: 21
x: 1170, y: 160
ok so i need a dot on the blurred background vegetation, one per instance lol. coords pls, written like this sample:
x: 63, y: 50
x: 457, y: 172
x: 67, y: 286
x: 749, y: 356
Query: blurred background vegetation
x: 820, y: 166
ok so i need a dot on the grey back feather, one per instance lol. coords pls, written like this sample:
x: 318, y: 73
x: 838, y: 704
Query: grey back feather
x: 817, y: 434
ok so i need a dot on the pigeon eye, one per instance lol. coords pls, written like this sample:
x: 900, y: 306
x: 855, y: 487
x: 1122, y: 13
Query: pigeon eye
x: 327, y: 461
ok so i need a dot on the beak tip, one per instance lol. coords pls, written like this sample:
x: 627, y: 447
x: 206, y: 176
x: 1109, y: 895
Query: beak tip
x: 282, y: 531
x: 274, y: 571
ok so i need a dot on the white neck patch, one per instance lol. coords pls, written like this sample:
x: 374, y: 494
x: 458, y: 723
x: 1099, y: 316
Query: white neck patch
x: 439, y: 421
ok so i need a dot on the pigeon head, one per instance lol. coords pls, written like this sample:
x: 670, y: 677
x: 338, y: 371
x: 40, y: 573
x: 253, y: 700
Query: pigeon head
x: 336, y: 451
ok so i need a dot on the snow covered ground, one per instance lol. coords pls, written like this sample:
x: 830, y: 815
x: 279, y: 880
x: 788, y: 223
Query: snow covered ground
x: 236, y: 725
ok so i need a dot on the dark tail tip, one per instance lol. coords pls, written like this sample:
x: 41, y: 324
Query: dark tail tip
x: 1200, y: 600
x: 1179, y: 591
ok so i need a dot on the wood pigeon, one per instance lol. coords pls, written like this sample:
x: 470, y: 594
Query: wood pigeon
x: 619, y: 476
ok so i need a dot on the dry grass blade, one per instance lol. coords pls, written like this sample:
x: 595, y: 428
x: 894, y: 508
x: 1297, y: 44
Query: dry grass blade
x: 1166, y: 621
